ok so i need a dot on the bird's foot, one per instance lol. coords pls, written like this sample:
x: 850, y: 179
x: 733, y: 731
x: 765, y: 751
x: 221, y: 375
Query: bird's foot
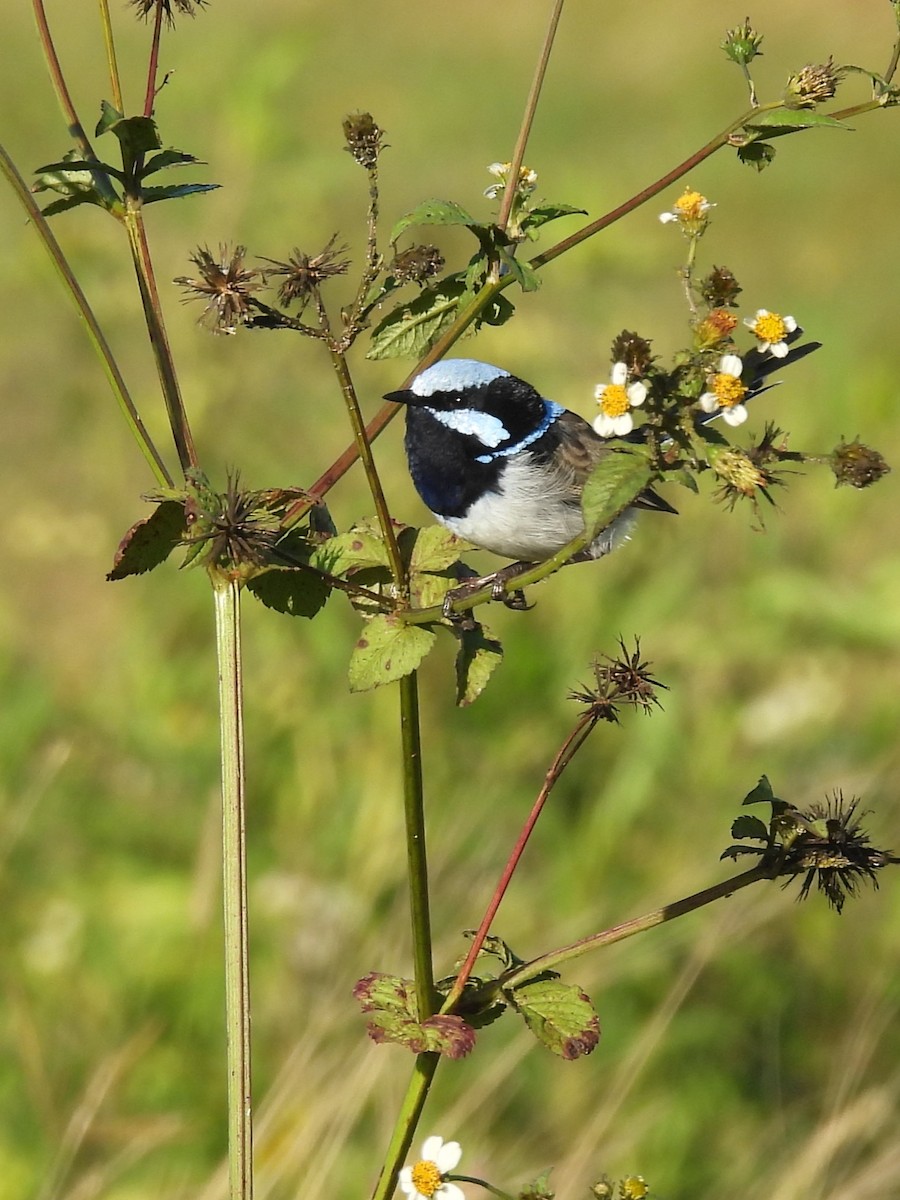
x: 497, y: 582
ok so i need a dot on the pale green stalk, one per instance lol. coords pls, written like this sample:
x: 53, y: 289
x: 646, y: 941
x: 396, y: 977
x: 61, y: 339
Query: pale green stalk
x: 226, y: 594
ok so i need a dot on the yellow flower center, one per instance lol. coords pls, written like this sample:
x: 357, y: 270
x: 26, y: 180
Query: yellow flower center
x: 728, y: 390
x: 634, y: 1187
x: 770, y: 328
x: 426, y: 1177
x: 690, y: 205
x: 614, y: 401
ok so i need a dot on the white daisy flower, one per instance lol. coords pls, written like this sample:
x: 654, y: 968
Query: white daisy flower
x: 427, y: 1178
x: 771, y: 330
x: 726, y: 392
x: 616, y: 398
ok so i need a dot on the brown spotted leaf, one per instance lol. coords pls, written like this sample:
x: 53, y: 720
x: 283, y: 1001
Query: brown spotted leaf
x: 393, y: 1017
x: 151, y: 541
x: 559, y: 1014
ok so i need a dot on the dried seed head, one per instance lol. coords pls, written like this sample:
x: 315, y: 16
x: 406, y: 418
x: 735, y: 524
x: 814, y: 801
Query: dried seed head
x: 305, y: 273
x: 720, y: 289
x: 716, y: 327
x: 857, y: 465
x: 365, y: 139
x: 225, y: 286
x: 187, y: 8
x: 416, y: 264
x: 632, y: 350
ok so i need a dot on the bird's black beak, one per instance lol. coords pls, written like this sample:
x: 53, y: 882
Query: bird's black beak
x: 404, y: 396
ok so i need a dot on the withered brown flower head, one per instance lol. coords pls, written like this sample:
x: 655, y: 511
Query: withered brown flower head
x: 237, y: 529
x: 749, y: 474
x: 225, y: 285
x: 618, y: 681
x: 857, y: 465
x: 365, y: 139
x: 187, y: 8
x: 632, y: 350
x: 305, y: 273
x: 720, y: 289
x: 835, y: 851
x: 416, y: 264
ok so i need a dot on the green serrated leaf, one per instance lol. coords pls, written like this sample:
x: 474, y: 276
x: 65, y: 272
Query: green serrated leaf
x: 433, y: 212
x: 150, y: 195
x: 292, y: 591
x: 616, y: 481
x: 58, y: 206
x: 352, y: 551
x: 748, y: 826
x: 756, y: 154
x: 794, y: 118
x: 478, y: 657
x: 390, y: 1002
x: 761, y: 794
x: 137, y: 135
x: 559, y: 1014
x: 409, y: 329
x: 150, y: 542
x: 167, y: 158
x: 434, y: 549
x: 75, y: 172
x: 541, y: 214
x: 386, y: 651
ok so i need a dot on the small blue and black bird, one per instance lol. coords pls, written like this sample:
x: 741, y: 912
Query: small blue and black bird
x: 504, y: 467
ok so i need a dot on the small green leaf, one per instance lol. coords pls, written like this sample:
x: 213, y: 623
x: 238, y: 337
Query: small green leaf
x: 559, y: 1014
x: 541, y: 214
x: 386, y: 651
x: 151, y: 194
x: 614, y: 484
x: 747, y: 826
x: 167, y: 158
x: 761, y: 794
x: 478, y: 657
x: 756, y: 154
x: 137, y: 135
x: 410, y: 328
x: 526, y: 277
x: 433, y: 212
x: 292, y: 591
x: 391, y: 1001
x: 787, y: 119
x: 150, y: 542
x: 109, y: 116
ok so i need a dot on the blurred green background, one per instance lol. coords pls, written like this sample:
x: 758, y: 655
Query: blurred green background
x: 749, y: 1051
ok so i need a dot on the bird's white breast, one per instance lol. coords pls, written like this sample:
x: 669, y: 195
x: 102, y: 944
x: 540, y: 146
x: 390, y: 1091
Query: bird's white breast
x: 527, y: 518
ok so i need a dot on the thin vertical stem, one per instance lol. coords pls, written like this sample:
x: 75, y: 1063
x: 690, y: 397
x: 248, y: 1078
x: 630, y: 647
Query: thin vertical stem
x: 405, y: 1125
x: 114, y: 82
x: 234, y: 889
x: 531, y: 103
x: 414, y: 810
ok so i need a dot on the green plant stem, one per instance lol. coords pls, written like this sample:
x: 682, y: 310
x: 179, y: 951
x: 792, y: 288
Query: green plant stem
x: 112, y: 64
x: 509, y: 194
x: 153, y: 65
x: 627, y: 929
x: 482, y: 1183
x: 417, y: 865
x: 364, y: 450
x: 405, y: 1125
x: 76, y: 129
x: 85, y: 313
x: 570, y: 747
x: 226, y: 594
x: 143, y: 267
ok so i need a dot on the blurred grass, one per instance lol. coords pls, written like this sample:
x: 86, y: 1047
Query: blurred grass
x: 751, y: 1051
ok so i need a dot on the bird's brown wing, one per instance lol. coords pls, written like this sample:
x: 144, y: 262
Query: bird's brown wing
x: 578, y: 452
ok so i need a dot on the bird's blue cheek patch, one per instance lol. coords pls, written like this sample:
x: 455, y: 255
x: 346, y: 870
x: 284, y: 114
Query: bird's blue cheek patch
x: 489, y: 430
